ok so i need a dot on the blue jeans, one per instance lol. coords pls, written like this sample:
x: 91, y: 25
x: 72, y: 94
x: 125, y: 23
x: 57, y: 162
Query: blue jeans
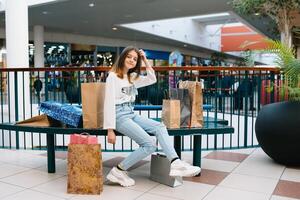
x: 138, y: 129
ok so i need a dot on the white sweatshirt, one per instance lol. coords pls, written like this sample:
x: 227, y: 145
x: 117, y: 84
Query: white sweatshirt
x: 118, y: 91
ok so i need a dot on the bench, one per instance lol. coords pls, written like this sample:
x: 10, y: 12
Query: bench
x: 211, y: 127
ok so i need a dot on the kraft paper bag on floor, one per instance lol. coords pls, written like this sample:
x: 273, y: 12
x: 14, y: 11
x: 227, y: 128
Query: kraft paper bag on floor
x: 84, y: 169
x: 40, y: 121
x: 92, y: 96
x: 185, y: 105
x: 171, y: 113
x: 196, y: 96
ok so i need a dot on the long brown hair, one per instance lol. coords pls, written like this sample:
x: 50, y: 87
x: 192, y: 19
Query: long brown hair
x: 118, y: 67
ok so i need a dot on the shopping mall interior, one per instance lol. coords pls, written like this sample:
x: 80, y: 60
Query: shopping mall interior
x: 50, y: 48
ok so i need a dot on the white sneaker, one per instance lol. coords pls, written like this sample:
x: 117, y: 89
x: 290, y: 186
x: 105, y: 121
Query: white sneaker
x: 181, y: 168
x: 118, y: 176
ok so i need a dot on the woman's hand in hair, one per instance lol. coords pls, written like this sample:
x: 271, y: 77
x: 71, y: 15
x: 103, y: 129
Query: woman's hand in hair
x: 144, y: 58
x: 111, y: 136
x: 143, y: 55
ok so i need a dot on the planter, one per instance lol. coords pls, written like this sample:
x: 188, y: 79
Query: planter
x: 277, y: 130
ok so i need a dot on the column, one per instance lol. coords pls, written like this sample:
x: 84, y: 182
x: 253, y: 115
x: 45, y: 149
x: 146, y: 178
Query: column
x: 16, y: 26
x: 38, y: 33
x: 39, y: 59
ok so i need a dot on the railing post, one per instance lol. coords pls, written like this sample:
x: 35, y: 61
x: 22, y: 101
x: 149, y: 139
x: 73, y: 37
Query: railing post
x: 258, y: 91
x: 46, y: 86
x: 16, y: 108
x: 247, y: 81
x: 273, y: 87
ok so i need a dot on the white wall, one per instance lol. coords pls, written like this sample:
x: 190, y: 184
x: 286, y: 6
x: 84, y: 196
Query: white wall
x: 213, y: 35
x: 181, y: 29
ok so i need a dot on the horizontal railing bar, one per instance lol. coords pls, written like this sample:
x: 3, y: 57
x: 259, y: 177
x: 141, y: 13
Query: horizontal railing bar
x: 156, y: 68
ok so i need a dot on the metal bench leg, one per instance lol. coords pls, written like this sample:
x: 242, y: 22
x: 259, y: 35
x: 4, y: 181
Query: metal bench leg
x: 197, y: 151
x: 51, y: 153
x: 177, y: 145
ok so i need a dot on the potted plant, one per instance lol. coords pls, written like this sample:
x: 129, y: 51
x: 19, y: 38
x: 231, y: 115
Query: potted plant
x: 277, y: 125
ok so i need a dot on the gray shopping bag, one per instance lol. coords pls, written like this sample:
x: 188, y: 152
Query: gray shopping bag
x: 160, y: 169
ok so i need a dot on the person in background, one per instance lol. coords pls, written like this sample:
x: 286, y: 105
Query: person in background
x: 121, y: 89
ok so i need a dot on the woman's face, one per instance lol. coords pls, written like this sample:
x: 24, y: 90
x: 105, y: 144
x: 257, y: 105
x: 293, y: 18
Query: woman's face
x: 131, y: 60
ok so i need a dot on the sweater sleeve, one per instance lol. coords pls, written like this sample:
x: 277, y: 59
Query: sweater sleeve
x: 149, y: 79
x: 109, y: 121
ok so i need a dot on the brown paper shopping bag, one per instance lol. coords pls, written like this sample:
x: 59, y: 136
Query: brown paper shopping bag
x: 92, y: 96
x: 196, y: 96
x: 84, y: 169
x: 171, y: 113
x: 40, y: 121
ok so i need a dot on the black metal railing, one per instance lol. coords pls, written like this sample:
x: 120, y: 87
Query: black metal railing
x: 236, y: 95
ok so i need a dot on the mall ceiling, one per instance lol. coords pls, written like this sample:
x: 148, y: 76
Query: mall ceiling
x: 78, y: 17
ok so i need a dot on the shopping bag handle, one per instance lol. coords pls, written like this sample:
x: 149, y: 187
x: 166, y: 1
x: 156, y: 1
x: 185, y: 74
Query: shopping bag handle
x: 85, y: 133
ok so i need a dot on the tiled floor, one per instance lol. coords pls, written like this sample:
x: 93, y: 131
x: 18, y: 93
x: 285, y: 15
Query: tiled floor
x: 247, y: 174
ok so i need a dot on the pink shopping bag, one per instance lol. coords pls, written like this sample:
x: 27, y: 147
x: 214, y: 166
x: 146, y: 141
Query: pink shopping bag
x: 83, y: 138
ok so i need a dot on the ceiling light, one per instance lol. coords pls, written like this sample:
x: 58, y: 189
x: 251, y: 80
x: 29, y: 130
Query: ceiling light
x: 91, y: 5
x: 45, y: 12
x: 256, y: 14
x: 114, y: 28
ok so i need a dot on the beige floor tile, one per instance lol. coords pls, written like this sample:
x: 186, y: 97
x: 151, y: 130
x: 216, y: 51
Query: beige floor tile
x: 7, y: 170
x: 8, y: 189
x: 258, y: 151
x: 116, y: 160
x: 274, y: 197
x: 224, y: 193
x: 60, y: 167
x: 111, y: 193
x: 32, y: 195
x: 143, y: 183
x: 148, y: 196
x: 189, y: 190
x: 57, y: 187
x: 30, y: 178
x: 260, y: 165
x: 143, y: 170
x: 250, y: 183
x: 27, y: 160
x: 58, y: 155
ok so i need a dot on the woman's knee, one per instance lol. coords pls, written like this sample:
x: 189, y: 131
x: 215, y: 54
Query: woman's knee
x: 149, y: 148
x: 161, y: 129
